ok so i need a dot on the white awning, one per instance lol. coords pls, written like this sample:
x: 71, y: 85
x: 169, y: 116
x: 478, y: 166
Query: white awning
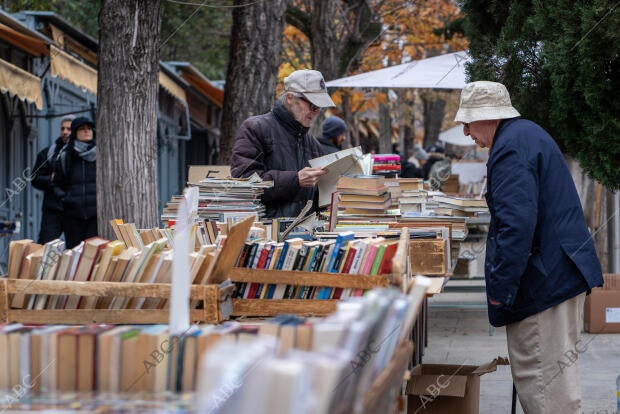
x: 439, y: 72
x: 455, y: 136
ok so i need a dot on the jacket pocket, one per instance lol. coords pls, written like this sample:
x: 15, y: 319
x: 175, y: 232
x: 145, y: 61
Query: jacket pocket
x: 533, y: 283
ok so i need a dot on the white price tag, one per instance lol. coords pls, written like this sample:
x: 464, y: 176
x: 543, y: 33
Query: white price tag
x: 612, y: 315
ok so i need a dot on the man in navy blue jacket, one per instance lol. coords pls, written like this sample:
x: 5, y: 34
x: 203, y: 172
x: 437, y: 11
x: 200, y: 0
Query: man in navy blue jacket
x: 540, y: 258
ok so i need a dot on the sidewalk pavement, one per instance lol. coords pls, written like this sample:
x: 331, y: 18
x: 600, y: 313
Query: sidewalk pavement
x: 462, y: 336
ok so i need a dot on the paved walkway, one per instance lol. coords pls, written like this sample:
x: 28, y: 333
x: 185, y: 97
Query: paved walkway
x: 461, y: 336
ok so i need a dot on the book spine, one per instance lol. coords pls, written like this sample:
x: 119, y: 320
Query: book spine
x: 339, y: 259
x: 285, y: 247
x: 348, y: 262
x: 262, y: 260
x: 368, y: 260
x: 377, y: 260
x: 257, y: 255
x: 272, y: 249
x: 334, y: 253
x: 250, y: 259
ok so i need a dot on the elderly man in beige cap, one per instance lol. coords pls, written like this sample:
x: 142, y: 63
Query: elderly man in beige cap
x: 277, y: 146
x: 540, y: 258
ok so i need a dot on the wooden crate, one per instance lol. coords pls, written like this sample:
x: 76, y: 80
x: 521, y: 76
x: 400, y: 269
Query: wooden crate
x: 428, y: 256
x: 305, y: 307
x: 316, y: 307
x: 217, y: 305
x: 210, y: 295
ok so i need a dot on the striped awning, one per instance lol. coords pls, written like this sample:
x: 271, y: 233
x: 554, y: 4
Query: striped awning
x: 172, y: 87
x: 17, y: 82
x: 71, y: 69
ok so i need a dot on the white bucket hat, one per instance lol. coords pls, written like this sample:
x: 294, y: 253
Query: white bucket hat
x: 484, y: 100
x: 311, y: 85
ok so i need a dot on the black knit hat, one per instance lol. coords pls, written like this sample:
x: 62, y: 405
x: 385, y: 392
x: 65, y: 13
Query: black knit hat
x: 78, y: 122
x: 333, y: 126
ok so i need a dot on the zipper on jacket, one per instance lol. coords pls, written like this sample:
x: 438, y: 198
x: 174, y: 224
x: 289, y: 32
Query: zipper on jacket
x: 84, y: 188
x: 300, y: 152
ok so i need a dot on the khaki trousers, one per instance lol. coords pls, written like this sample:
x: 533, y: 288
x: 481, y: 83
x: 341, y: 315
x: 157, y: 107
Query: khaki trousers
x: 544, y: 358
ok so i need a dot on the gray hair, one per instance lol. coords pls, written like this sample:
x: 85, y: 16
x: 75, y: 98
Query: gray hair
x: 282, y: 98
x: 68, y: 118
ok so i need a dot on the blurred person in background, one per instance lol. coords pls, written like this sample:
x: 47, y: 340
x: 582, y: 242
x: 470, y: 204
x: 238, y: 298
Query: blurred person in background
x: 333, y: 134
x: 74, y: 178
x: 42, y: 179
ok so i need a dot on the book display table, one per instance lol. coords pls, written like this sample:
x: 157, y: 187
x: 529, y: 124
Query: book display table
x: 213, y: 303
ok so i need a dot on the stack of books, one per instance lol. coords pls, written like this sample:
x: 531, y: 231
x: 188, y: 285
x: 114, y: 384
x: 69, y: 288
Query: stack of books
x: 363, y: 194
x: 386, y: 164
x: 362, y: 203
x: 450, y: 205
x: 413, y: 197
x: 220, y: 199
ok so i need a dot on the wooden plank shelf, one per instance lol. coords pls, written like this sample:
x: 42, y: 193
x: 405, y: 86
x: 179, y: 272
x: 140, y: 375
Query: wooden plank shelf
x: 209, y: 295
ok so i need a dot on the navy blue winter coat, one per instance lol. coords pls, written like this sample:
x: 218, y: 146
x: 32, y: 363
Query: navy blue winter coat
x: 539, y: 251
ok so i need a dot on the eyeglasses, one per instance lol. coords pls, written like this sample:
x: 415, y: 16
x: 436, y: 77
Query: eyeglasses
x: 312, y: 106
x: 67, y: 128
x: 466, y: 125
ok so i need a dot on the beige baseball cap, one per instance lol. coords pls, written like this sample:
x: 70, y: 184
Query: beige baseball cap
x: 484, y: 100
x: 311, y: 85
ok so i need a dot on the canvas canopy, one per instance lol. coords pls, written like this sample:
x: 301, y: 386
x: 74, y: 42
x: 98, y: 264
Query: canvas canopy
x: 455, y: 136
x: 440, y: 72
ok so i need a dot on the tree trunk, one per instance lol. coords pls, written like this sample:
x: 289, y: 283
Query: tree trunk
x: 385, y: 129
x: 352, y: 139
x: 255, y: 45
x: 127, y: 112
x: 434, y: 111
x: 338, y: 31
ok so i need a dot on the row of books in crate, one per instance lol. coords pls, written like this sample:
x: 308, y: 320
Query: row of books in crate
x: 287, y: 364
x: 344, y: 254
x: 100, y: 260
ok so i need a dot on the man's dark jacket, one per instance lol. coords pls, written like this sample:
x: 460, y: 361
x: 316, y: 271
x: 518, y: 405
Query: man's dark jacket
x: 539, y: 251
x: 276, y: 146
x: 42, y: 175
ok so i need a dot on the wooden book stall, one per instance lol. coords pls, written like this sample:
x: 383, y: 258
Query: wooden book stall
x: 209, y: 295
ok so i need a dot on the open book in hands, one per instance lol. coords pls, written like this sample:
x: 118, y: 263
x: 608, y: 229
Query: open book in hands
x: 348, y: 161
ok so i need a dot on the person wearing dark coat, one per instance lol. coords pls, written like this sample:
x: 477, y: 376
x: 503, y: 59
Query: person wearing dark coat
x: 333, y: 133
x: 277, y: 146
x: 435, y: 153
x: 74, y: 175
x: 540, y: 258
x: 42, y: 173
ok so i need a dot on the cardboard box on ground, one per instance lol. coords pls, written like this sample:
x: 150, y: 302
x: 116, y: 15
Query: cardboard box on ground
x: 446, y: 389
x: 602, y: 307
